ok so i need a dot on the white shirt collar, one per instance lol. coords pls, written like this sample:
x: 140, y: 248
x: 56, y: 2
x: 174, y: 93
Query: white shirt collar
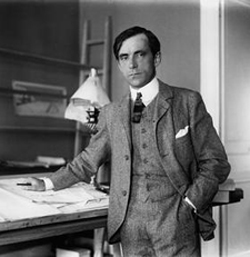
x: 148, y: 92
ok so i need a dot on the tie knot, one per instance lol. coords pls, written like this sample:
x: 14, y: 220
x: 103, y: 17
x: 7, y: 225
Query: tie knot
x: 138, y: 96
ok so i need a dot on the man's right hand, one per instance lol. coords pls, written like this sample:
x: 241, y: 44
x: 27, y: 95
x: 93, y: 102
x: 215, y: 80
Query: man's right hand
x: 34, y: 184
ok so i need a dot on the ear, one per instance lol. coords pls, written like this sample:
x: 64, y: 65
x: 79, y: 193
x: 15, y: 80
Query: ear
x: 157, y: 59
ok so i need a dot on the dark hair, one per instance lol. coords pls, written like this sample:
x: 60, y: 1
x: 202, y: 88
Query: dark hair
x: 153, y: 41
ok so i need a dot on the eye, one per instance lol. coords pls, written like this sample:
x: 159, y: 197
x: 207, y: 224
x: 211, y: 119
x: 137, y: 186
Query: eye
x: 140, y: 54
x: 123, y: 57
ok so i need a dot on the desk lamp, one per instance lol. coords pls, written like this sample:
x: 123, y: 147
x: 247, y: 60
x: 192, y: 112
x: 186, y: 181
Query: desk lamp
x: 84, y: 107
x: 86, y: 102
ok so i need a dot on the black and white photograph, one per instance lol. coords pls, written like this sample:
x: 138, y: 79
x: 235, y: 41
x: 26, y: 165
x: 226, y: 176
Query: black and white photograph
x: 124, y: 128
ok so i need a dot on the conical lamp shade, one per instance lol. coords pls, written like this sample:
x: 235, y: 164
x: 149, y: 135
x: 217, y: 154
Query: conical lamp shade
x: 91, y: 92
x: 90, y: 95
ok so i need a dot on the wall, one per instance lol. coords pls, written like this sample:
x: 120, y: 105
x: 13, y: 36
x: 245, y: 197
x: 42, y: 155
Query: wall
x: 237, y: 119
x: 237, y: 90
x: 176, y: 23
x: 49, y: 29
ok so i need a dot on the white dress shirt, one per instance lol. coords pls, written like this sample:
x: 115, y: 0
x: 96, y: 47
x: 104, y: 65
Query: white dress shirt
x: 148, y: 92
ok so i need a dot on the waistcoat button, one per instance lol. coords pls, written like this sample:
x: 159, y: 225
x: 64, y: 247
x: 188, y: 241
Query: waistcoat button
x: 124, y: 192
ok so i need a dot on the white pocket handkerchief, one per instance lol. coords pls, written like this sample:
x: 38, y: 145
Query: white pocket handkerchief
x: 182, y: 132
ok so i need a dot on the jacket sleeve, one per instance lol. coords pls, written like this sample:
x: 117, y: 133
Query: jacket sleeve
x: 212, y: 164
x: 87, y: 163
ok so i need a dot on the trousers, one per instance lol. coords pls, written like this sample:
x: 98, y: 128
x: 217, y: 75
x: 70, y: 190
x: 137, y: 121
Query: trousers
x: 158, y: 226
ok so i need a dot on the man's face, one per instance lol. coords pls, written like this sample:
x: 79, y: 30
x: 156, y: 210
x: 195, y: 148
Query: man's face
x: 136, y: 61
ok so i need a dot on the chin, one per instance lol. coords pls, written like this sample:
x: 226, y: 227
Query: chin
x: 136, y: 84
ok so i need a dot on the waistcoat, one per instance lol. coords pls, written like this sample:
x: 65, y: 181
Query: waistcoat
x: 149, y: 180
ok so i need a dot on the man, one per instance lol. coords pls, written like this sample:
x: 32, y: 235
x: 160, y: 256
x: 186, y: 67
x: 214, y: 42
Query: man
x: 166, y: 158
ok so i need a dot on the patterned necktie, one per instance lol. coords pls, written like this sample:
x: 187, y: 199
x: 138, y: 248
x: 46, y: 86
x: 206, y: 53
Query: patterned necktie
x: 138, y: 108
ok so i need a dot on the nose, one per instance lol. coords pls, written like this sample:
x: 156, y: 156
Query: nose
x: 132, y: 63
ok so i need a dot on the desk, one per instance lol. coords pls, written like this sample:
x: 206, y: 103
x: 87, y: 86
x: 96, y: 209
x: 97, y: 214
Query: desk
x: 61, y: 224
x: 90, y: 216
x: 233, y: 196
x: 23, y: 230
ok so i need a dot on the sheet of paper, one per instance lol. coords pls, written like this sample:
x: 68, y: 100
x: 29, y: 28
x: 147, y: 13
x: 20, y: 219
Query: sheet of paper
x: 76, y: 198
x: 91, y: 205
x: 70, y: 195
x: 15, y: 207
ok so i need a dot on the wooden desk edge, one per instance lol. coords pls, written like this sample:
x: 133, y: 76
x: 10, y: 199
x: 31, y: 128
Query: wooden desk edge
x: 52, y: 219
x: 51, y: 230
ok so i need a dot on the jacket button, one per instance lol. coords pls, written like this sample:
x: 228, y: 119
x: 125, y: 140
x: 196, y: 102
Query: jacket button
x: 124, y: 192
x: 126, y: 157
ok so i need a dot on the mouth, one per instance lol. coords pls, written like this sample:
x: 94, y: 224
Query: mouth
x: 134, y: 74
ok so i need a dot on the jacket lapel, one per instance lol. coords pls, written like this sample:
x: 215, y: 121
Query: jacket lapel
x: 164, y: 103
x: 125, y: 116
x: 165, y: 134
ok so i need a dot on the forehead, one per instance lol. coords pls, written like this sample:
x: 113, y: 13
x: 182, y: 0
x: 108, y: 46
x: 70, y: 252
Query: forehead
x: 135, y: 43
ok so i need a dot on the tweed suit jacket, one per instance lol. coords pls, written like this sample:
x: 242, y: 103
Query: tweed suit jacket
x: 190, y: 150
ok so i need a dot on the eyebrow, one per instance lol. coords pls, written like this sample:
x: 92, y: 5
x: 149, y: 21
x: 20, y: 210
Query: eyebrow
x: 122, y: 55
